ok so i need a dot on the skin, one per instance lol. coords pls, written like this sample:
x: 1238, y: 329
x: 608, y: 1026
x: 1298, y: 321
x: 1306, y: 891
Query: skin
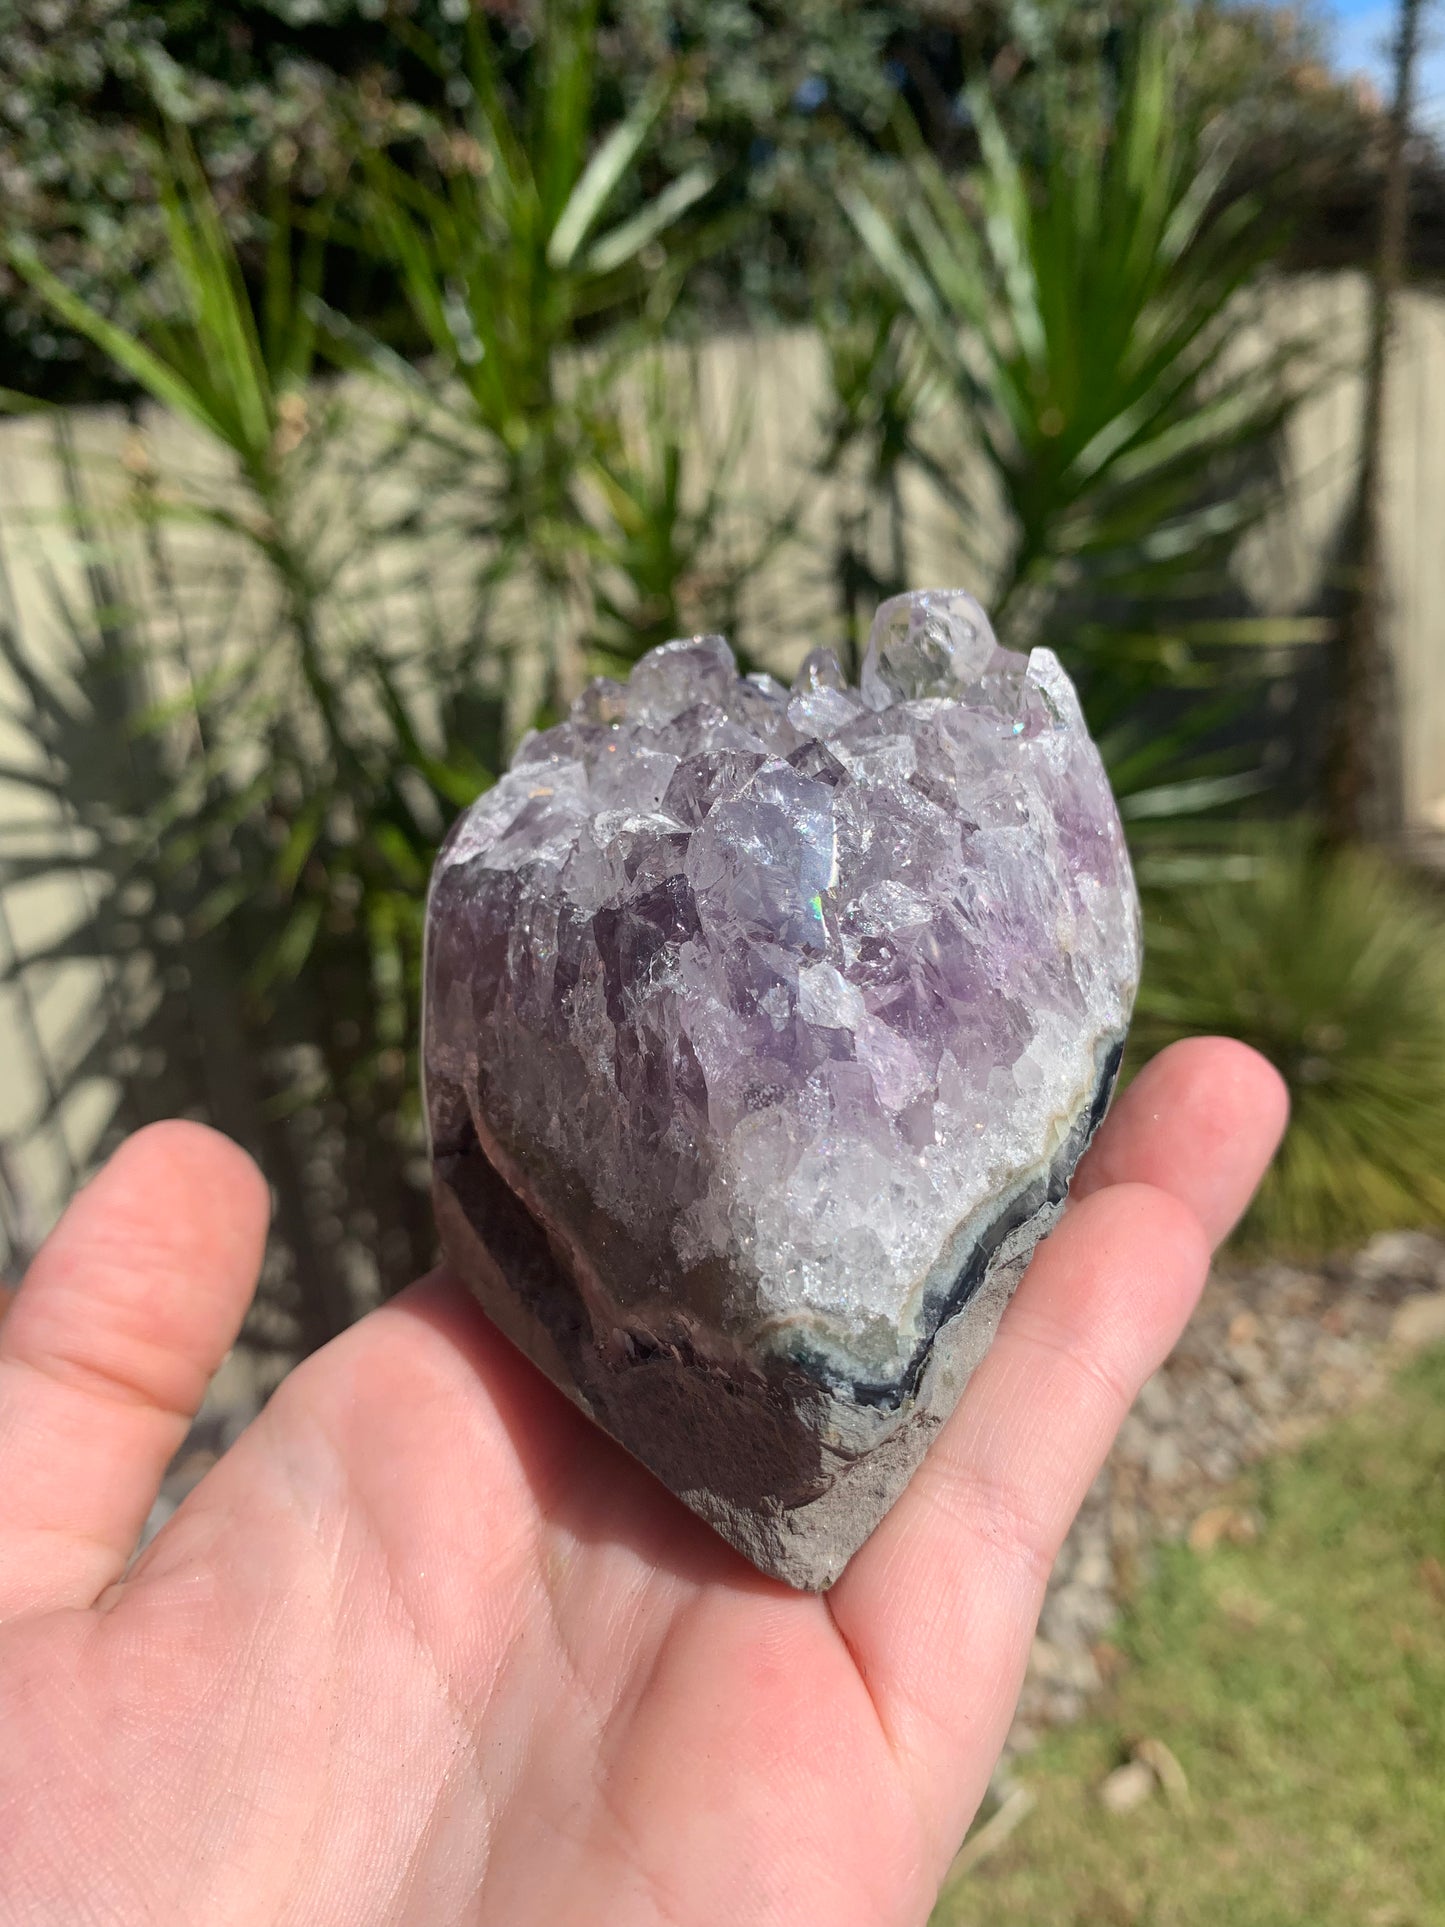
x: 425, y: 1647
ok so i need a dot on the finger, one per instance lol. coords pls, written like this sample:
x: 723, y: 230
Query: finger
x: 1201, y: 1121
x: 939, y: 1607
x: 129, y: 1307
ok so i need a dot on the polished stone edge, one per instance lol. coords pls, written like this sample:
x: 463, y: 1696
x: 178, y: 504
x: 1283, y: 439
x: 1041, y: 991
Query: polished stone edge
x: 793, y: 1470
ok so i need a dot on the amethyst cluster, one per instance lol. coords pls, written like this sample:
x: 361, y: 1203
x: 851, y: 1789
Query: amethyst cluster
x: 764, y: 1028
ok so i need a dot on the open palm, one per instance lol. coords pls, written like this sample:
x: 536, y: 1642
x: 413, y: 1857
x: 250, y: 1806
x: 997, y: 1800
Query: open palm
x: 426, y: 1647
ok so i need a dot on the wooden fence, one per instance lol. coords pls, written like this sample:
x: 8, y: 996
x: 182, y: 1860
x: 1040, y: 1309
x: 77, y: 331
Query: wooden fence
x: 775, y: 385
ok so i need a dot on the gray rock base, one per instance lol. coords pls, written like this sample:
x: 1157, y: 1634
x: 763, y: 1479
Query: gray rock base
x: 793, y: 1470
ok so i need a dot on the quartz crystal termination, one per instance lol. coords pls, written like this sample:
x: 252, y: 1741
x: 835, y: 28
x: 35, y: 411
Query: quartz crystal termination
x: 764, y: 1028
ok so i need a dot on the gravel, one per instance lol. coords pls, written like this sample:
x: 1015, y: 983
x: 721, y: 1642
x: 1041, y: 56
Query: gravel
x: 1275, y: 1351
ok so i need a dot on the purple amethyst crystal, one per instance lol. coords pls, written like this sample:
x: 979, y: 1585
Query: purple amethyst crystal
x: 764, y: 1029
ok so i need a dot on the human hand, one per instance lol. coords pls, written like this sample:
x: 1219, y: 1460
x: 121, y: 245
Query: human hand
x: 425, y: 1647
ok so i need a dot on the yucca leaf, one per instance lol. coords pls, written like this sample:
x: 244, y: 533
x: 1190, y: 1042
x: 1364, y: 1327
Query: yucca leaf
x: 129, y: 353
x: 13, y: 402
x: 285, y: 958
x: 624, y: 243
x: 410, y: 865
x: 219, y: 905
x: 388, y: 968
x: 300, y: 842
x: 226, y: 355
x: 1190, y: 797
x: 910, y: 280
x: 601, y: 178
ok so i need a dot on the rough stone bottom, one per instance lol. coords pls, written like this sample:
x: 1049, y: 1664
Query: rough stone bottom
x: 792, y: 1469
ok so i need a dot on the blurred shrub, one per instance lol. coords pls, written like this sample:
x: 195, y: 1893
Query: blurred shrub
x: 1333, y: 966
x: 521, y: 240
x: 83, y: 84
x: 773, y: 100
x: 1068, y: 313
x: 249, y: 811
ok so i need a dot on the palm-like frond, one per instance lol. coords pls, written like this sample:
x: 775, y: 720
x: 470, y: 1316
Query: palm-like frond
x: 671, y: 541
x: 519, y: 240
x: 1082, y: 299
x: 243, y: 815
x: 1082, y: 304
x: 513, y: 249
x: 1353, y: 1017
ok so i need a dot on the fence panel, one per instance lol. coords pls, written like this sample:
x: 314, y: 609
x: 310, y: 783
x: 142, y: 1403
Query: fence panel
x: 776, y: 385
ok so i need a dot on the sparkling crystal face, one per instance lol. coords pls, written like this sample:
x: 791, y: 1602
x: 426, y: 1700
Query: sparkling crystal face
x: 767, y: 1001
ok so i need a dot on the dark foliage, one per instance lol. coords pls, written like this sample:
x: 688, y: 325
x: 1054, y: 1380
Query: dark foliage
x: 769, y: 96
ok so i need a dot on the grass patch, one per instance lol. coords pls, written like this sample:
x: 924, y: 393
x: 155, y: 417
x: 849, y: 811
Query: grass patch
x: 1301, y: 1684
x: 1352, y: 1016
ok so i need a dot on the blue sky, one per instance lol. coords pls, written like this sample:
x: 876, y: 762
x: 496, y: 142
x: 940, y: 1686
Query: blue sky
x: 1361, y: 37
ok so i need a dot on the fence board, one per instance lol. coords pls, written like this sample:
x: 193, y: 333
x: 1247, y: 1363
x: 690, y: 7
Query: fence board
x: 776, y: 384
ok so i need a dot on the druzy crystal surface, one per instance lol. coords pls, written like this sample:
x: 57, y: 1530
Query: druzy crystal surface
x: 764, y: 1028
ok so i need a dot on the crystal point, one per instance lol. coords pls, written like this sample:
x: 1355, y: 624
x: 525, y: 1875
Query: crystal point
x: 934, y: 642
x: 763, y: 1031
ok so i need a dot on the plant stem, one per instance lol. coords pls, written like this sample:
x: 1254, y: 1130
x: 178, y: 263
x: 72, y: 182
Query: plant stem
x: 1364, y: 800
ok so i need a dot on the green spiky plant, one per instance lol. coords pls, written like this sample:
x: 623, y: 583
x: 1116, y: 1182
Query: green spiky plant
x: 1334, y: 967
x: 879, y: 391
x: 1080, y: 298
x: 672, y: 537
x: 525, y: 239
x: 272, y: 794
